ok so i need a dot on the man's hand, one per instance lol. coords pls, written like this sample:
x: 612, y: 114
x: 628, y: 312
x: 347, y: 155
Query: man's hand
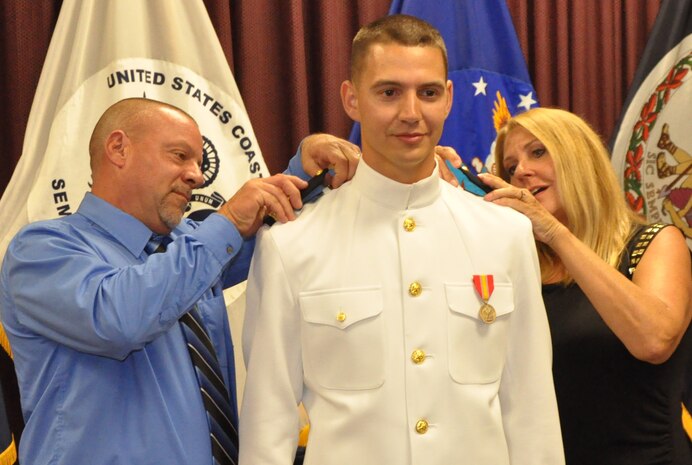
x: 324, y: 151
x: 278, y: 196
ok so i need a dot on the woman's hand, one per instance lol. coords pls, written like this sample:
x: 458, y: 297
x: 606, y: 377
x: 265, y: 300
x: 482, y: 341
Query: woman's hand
x: 545, y: 226
x: 442, y: 154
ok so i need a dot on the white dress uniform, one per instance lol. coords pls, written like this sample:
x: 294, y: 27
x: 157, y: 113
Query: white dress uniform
x: 364, y: 309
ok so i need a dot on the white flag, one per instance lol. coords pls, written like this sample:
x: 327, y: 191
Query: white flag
x: 103, y: 51
x: 652, y: 152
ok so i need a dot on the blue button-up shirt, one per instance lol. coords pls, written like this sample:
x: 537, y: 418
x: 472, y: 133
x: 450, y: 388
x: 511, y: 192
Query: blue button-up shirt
x: 104, y: 372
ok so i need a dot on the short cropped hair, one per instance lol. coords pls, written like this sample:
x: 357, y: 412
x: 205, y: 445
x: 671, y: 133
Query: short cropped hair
x: 399, y: 29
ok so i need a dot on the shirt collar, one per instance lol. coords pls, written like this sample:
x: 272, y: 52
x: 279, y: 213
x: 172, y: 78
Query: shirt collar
x: 393, y: 194
x: 124, y: 228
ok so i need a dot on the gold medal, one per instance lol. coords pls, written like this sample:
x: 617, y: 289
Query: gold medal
x: 487, y: 313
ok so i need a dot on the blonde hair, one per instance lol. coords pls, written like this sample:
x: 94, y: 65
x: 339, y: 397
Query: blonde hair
x: 595, y: 206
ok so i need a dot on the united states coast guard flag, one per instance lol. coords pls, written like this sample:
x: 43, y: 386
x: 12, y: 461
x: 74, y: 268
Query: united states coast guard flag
x: 653, y: 146
x: 486, y: 65
x: 103, y: 51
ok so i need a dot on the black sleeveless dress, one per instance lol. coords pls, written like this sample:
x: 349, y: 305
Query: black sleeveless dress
x: 614, y: 409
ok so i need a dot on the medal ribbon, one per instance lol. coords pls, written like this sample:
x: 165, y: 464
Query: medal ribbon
x: 484, y: 285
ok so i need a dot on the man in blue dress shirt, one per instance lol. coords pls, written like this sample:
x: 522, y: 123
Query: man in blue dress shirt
x: 103, y: 367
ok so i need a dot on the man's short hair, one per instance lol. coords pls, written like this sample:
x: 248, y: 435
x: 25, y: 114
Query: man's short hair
x: 404, y: 30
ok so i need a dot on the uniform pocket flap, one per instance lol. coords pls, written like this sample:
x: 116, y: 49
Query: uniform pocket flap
x: 340, y: 308
x: 463, y: 299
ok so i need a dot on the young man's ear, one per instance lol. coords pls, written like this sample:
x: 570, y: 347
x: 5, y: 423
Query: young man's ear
x: 450, y: 96
x: 117, y: 144
x: 350, y: 100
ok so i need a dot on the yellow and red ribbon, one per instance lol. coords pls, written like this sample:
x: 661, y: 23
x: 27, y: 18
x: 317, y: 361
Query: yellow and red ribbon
x: 485, y: 285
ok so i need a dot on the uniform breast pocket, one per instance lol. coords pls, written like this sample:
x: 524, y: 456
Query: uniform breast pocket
x: 342, y: 337
x: 476, y: 348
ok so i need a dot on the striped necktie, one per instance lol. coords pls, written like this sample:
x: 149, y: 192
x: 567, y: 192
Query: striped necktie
x: 157, y: 244
x: 224, y: 435
x: 222, y: 430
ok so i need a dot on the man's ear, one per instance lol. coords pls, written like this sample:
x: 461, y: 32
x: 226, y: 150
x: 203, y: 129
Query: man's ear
x: 350, y: 100
x: 117, y: 145
x: 450, y: 97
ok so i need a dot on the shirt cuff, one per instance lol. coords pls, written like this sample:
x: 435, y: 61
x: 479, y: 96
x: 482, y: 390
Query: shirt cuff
x: 295, y: 165
x: 221, y: 236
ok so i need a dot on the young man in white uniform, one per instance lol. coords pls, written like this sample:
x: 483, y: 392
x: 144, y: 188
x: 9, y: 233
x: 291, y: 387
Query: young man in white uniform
x: 404, y: 313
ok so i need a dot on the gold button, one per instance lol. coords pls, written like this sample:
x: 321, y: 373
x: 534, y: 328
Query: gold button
x: 409, y: 224
x: 418, y: 356
x: 421, y: 426
x: 341, y: 317
x: 229, y: 250
x: 415, y: 289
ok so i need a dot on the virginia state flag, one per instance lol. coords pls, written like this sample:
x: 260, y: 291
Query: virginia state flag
x: 652, y: 151
x: 486, y: 65
x: 103, y: 51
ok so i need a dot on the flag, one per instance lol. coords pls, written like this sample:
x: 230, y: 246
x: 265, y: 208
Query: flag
x: 486, y: 65
x: 8, y: 448
x: 103, y: 51
x: 652, y: 149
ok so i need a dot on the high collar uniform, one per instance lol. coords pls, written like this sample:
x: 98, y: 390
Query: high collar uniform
x: 365, y: 310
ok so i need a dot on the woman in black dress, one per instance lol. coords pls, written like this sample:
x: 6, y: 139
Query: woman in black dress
x: 618, y: 317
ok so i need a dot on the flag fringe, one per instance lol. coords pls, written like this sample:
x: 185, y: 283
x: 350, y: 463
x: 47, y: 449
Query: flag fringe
x: 9, y: 455
x: 5, y: 343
